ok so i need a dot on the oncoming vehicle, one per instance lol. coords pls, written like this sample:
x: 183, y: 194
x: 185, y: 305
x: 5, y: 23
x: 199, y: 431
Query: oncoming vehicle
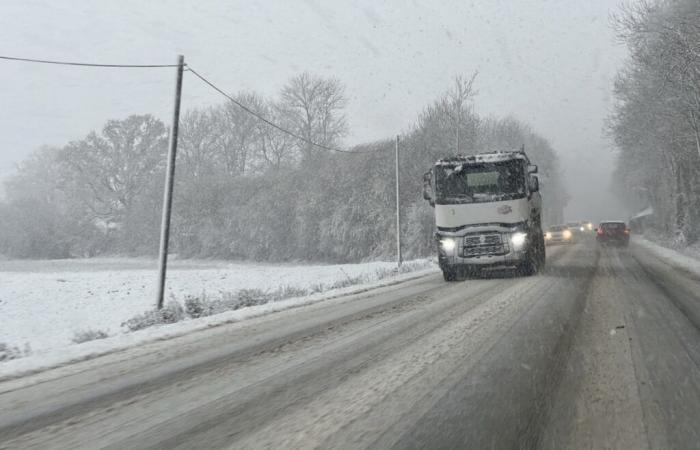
x: 577, y: 228
x: 588, y: 225
x: 487, y: 212
x: 613, y: 232
x: 558, y: 234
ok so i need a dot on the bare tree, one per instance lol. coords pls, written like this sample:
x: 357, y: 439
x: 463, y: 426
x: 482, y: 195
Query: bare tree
x: 238, y: 132
x: 108, y: 171
x: 315, y: 106
x: 458, y: 106
x: 656, y: 121
x: 450, y: 124
x: 277, y: 147
x: 197, y: 147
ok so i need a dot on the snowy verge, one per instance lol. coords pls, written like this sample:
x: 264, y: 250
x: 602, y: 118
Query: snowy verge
x: 40, y: 361
x: 50, y: 304
x: 670, y: 256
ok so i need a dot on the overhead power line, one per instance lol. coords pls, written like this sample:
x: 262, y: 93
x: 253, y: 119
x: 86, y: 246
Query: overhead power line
x: 203, y: 79
x: 84, y: 64
x: 268, y: 121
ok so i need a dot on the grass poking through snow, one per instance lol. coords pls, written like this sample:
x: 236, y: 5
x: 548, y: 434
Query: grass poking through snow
x: 203, y: 306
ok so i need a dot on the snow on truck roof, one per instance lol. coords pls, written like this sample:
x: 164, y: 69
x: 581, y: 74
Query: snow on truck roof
x: 487, y: 157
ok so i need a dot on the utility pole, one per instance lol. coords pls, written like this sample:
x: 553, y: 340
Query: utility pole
x: 169, y: 180
x: 398, y: 210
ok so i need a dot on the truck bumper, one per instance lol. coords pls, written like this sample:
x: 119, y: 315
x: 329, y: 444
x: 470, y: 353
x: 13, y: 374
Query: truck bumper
x: 481, y: 249
x: 509, y: 260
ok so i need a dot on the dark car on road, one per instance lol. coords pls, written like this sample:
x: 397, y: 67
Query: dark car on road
x: 613, y: 232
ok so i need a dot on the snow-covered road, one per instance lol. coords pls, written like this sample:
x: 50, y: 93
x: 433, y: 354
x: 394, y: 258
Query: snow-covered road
x: 600, y: 351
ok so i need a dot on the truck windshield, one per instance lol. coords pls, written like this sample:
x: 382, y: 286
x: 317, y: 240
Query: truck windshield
x: 472, y: 183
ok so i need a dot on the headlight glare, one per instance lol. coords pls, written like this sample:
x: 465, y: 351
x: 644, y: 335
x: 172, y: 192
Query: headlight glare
x: 448, y: 244
x: 518, y: 240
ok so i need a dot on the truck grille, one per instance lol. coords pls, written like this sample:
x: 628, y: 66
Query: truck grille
x: 483, y: 244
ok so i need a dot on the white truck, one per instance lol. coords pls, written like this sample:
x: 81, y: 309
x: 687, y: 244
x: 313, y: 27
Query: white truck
x: 487, y: 213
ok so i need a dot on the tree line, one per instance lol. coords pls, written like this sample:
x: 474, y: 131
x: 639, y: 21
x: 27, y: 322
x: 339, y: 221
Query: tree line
x: 656, y: 119
x: 245, y: 189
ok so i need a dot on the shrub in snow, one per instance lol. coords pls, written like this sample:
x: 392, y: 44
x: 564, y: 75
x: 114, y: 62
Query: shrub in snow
x: 145, y: 320
x: 171, y: 313
x: 252, y: 297
x: 196, y: 306
x: 343, y: 283
x: 88, y: 335
x: 291, y: 292
x: 317, y: 288
x: 407, y: 267
x: 201, y: 306
x: 7, y: 352
x: 416, y: 265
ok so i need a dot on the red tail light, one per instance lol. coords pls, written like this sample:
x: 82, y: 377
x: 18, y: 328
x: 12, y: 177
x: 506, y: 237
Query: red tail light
x: 600, y: 232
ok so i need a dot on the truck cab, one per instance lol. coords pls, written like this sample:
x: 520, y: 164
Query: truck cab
x: 487, y: 213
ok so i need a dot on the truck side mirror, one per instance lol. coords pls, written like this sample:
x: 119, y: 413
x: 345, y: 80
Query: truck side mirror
x: 533, y: 168
x: 428, y: 187
x: 534, y: 184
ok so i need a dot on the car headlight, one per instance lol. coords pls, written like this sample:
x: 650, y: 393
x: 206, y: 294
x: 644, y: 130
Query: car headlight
x: 517, y: 239
x: 448, y: 245
x: 582, y: 229
x: 548, y: 235
x: 566, y: 234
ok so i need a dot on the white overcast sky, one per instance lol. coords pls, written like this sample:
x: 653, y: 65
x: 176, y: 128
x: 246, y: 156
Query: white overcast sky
x: 550, y: 63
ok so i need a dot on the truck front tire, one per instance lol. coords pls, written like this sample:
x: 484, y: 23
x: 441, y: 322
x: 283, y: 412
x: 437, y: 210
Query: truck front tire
x: 535, y: 258
x: 528, y: 267
x: 449, y: 274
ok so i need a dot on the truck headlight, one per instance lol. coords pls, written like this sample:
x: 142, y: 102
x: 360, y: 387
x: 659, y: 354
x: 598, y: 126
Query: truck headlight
x: 548, y: 235
x: 517, y: 239
x: 448, y: 245
x: 566, y: 234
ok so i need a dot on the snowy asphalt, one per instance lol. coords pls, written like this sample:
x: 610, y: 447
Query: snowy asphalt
x: 602, y: 350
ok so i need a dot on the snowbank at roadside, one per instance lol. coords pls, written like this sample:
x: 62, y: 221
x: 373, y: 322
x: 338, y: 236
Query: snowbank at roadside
x: 43, y: 310
x: 670, y: 256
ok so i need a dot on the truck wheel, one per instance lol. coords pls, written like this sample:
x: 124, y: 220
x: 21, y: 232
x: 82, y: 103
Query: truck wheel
x: 449, y: 275
x: 534, y: 261
x: 528, y: 267
x: 542, y: 256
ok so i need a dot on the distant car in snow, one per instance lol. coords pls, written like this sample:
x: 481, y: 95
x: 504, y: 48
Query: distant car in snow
x: 613, y: 232
x: 558, y: 234
x: 577, y: 228
x: 588, y: 226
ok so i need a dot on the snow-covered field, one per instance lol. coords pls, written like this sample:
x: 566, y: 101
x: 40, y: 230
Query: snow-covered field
x: 43, y: 304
